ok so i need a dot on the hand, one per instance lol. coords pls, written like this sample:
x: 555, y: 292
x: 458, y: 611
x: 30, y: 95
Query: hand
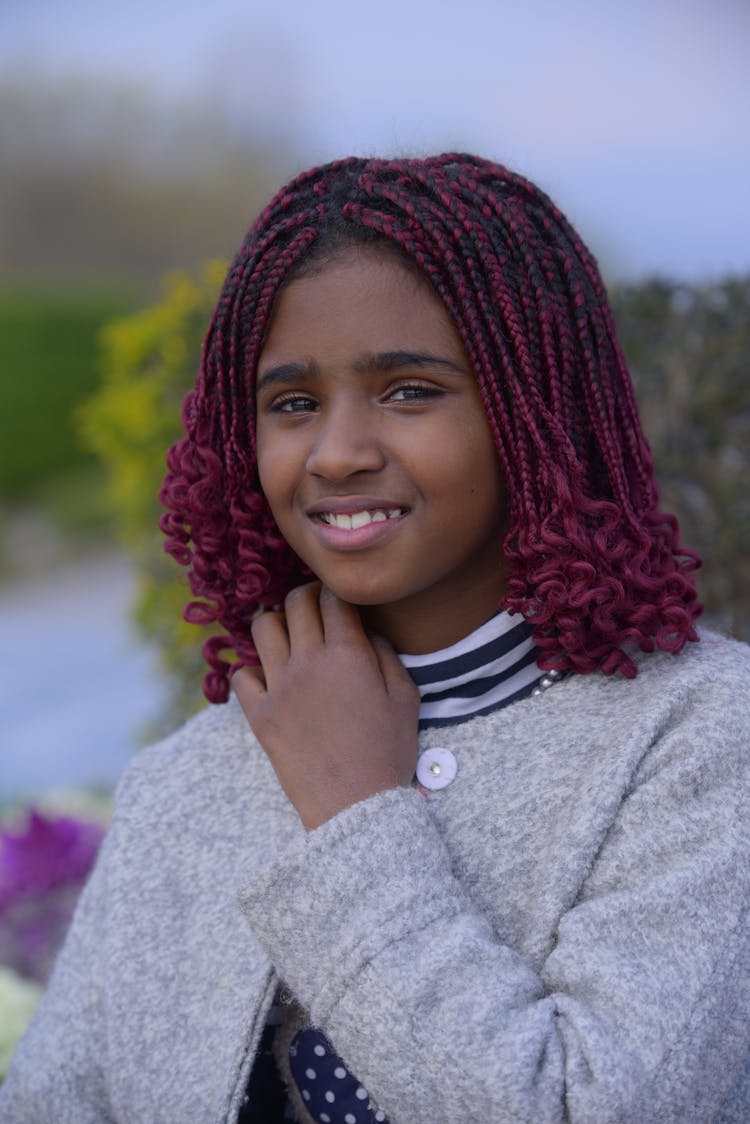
x: 333, y: 708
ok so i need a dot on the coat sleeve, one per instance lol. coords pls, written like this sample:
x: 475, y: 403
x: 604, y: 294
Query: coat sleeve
x: 57, y: 1072
x: 639, y: 1012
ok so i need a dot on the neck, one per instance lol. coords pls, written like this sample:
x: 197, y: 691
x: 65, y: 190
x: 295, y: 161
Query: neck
x: 428, y: 623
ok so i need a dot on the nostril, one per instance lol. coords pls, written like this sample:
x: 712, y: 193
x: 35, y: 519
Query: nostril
x: 341, y: 456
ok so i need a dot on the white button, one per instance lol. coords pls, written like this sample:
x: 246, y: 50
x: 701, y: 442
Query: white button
x: 436, y: 768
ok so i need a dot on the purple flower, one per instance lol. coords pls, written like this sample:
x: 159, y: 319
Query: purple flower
x: 42, y: 870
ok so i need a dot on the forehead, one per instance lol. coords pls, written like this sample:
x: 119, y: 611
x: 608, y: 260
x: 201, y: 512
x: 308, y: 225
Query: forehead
x: 359, y: 301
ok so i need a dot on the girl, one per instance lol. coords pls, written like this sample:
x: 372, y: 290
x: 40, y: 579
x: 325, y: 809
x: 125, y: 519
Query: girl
x: 469, y: 841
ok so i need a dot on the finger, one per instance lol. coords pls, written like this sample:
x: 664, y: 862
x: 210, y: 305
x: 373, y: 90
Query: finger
x: 303, y: 620
x: 341, y: 621
x: 395, y: 675
x: 271, y: 641
x: 249, y: 685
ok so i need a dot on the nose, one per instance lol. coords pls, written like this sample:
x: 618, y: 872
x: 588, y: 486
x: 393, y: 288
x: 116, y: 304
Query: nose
x: 345, y: 442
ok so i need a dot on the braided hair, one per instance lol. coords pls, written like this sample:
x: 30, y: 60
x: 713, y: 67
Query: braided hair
x: 592, y: 563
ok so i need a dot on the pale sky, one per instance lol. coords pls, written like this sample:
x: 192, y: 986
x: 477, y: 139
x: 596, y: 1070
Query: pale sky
x: 633, y: 114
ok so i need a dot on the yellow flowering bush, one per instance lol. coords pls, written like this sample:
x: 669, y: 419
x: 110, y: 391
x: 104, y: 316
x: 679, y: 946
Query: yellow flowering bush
x: 149, y: 361
x: 688, y: 347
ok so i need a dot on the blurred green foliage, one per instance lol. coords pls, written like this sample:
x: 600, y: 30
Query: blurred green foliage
x: 689, y: 352
x: 149, y: 361
x: 689, y: 349
x: 103, y: 188
x: 48, y: 363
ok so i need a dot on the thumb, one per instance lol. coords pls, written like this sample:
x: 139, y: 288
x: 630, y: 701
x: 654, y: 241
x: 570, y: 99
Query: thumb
x: 395, y: 675
x: 249, y: 685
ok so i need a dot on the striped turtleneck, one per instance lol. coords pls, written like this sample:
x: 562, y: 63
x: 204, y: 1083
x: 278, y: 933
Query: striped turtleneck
x: 491, y: 667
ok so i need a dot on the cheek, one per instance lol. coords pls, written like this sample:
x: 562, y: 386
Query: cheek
x: 274, y: 468
x: 485, y: 501
x: 474, y: 468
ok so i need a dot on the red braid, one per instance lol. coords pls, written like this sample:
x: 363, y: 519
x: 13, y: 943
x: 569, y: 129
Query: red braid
x: 592, y: 563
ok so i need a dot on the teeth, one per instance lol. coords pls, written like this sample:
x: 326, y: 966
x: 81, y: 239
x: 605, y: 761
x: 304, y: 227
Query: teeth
x: 359, y: 518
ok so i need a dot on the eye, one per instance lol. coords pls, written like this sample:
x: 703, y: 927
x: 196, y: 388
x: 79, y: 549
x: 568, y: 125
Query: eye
x: 293, y: 403
x: 413, y: 392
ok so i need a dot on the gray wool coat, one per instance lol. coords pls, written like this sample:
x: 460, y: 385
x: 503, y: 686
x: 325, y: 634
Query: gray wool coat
x: 561, y: 934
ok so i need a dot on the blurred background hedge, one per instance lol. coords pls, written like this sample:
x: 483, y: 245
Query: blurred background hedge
x: 689, y: 351
x: 48, y: 364
x: 104, y: 191
x: 105, y: 188
x: 148, y: 362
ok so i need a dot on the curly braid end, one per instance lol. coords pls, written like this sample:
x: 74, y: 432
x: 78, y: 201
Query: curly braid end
x: 592, y: 562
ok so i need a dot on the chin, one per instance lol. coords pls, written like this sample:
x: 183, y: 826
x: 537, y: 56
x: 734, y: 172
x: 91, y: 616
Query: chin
x: 362, y: 598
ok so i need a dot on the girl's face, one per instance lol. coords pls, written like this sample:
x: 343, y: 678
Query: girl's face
x: 375, y: 454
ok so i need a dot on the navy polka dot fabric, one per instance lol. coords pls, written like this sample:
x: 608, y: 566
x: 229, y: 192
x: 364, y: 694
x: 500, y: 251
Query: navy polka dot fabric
x: 332, y: 1094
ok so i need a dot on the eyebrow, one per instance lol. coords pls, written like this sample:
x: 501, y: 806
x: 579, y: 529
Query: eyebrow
x: 370, y: 363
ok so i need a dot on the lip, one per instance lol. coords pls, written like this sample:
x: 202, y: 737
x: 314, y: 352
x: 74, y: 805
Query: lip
x: 349, y: 505
x: 338, y: 538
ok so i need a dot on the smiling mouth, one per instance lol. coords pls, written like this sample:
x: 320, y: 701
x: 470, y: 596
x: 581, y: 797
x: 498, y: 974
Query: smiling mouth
x: 354, y: 520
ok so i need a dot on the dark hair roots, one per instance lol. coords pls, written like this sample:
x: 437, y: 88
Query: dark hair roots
x: 592, y: 563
